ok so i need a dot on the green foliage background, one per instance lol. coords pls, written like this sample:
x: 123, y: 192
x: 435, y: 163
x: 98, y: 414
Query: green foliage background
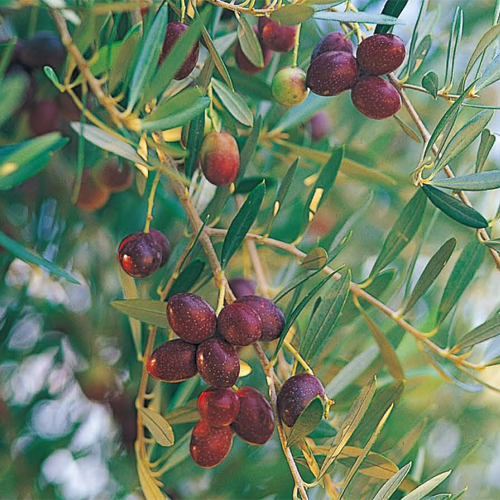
x: 59, y: 337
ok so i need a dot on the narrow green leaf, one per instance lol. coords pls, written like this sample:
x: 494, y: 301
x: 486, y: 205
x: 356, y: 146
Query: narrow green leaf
x: 217, y: 59
x: 193, y: 144
x: 130, y: 292
x: 406, y: 443
x: 242, y: 223
x: 431, y: 272
x: 482, y: 181
x: 391, y: 8
x: 185, y: 414
x: 490, y: 75
x: 430, y: 82
x: 250, y: 147
x: 487, y: 142
x: 308, y: 420
x: 249, y: 43
x: 448, y: 118
x: 160, y: 429
x: 107, y: 141
x: 295, y: 312
x: 52, y: 76
x: 234, y: 103
x: 420, y: 53
x: 486, y: 40
x: 121, y: 71
x: 374, y: 465
x: 455, y: 208
x: 301, y: 113
x: 176, y: 111
x: 19, y: 162
x: 386, y: 350
x: 427, y: 487
x: 323, y: 184
x: 416, y: 34
x: 166, y: 72
x: 27, y: 255
x: 486, y: 331
x: 404, y: 229
x: 315, y: 259
x: 292, y: 14
x: 366, y: 450
x: 453, y: 43
x: 188, y: 277
x: 149, y: 55
x: 282, y: 192
x: 493, y: 244
x: 408, y: 130
x: 149, y: 488
x: 152, y: 312
x: 392, y: 484
x: 349, y: 425
x: 324, y: 320
x: 465, y: 268
x: 464, y: 138
x: 358, y: 17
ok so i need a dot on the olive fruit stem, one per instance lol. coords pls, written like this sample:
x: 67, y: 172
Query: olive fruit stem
x: 298, y: 357
x: 296, y: 43
x: 220, y: 300
x: 151, y: 201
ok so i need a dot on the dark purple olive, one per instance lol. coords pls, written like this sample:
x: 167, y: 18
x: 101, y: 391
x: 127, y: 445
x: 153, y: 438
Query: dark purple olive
x: 271, y: 316
x: 242, y: 287
x: 44, y: 48
x: 218, y: 407
x: 381, y: 54
x: 139, y: 255
x: 173, y: 361
x: 239, y: 324
x: 333, y: 42
x: 209, y: 446
x: 218, y: 363
x: 376, y: 98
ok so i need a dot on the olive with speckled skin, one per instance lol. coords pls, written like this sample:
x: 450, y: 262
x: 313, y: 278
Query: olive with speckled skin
x: 376, y: 98
x: 255, y: 421
x: 218, y: 407
x: 244, y: 63
x: 191, y: 317
x: 289, y: 86
x: 139, y: 255
x: 239, y: 324
x: 173, y: 361
x: 113, y: 176
x: 332, y: 73
x: 218, y: 362
x: 332, y: 42
x: 91, y: 196
x: 296, y: 394
x: 174, y: 32
x: 277, y: 37
x: 242, y: 287
x: 271, y: 316
x: 209, y: 446
x: 381, y: 54
x: 163, y: 244
x: 220, y: 158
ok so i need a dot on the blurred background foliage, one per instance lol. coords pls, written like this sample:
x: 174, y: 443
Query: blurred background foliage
x: 69, y: 372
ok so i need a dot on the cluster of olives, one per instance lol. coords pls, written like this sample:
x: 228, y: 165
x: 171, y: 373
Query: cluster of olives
x: 141, y: 254
x: 97, y: 184
x: 334, y: 69
x: 206, y: 345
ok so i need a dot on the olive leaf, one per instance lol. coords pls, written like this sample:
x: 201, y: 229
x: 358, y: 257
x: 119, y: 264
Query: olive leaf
x: 160, y: 429
x: 152, y: 312
x: 390, y: 487
x: 308, y: 421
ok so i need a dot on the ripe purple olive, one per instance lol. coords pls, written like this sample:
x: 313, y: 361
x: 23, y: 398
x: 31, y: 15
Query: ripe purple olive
x: 163, y: 243
x: 220, y: 158
x: 289, y: 86
x: 244, y: 63
x: 296, y: 394
x: 333, y: 42
x: 271, y: 316
x: 43, y: 49
x: 209, y: 446
x: 331, y: 73
x: 277, y: 37
x: 91, y: 196
x: 218, y: 363
x: 381, y: 54
x: 113, y: 176
x: 191, y: 317
x: 174, y: 32
x: 320, y: 125
x: 255, y: 421
x: 376, y: 98
x: 139, y: 255
x: 239, y: 324
x: 218, y: 407
x: 173, y: 361
x: 44, y: 117
x: 242, y: 287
